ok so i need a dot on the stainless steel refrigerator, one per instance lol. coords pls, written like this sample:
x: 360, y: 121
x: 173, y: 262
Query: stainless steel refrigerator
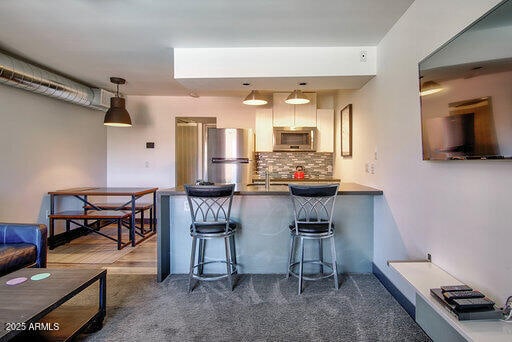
x: 229, y: 155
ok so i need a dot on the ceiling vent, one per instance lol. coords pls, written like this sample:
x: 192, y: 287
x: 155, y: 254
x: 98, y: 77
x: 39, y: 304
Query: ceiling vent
x: 23, y: 75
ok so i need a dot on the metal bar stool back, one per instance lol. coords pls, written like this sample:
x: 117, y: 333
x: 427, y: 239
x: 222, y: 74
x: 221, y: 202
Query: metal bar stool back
x: 313, y: 208
x: 210, y: 210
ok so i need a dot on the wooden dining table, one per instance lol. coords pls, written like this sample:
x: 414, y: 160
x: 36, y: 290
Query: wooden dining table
x: 83, y: 194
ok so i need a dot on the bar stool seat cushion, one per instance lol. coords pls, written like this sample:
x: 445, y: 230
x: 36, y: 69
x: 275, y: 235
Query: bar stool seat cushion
x: 213, y: 228
x: 312, y: 227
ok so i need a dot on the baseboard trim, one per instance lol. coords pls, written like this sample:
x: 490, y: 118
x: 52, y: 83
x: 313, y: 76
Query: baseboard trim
x: 64, y: 237
x: 400, y: 298
x: 76, y: 232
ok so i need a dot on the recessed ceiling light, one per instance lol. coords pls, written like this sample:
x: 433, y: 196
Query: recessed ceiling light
x: 193, y: 94
x: 246, y: 84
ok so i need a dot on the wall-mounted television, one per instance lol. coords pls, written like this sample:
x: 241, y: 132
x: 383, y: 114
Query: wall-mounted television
x: 466, y: 92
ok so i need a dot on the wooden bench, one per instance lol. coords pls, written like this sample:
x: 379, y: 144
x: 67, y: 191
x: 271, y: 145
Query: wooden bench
x: 140, y: 208
x: 98, y: 217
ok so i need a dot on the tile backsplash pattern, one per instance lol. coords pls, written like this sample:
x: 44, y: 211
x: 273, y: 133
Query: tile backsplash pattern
x: 282, y: 164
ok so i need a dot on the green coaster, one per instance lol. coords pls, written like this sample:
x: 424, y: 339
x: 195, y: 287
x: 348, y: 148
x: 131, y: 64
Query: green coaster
x: 40, y: 276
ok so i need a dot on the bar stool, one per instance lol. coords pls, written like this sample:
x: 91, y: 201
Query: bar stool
x: 210, y: 209
x: 313, y: 207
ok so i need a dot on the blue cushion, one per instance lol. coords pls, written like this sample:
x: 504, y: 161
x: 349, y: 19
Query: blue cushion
x: 34, y: 234
x: 14, y: 256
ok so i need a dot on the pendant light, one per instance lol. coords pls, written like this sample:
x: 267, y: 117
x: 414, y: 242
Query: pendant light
x: 430, y: 87
x: 296, y: 97
x: 117, y: 115
x: 255, y: 99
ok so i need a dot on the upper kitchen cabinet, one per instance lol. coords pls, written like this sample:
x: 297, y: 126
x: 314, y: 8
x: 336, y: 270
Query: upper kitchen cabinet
x: 263, y: 125
x: 305, y: 115
x: 286, y: 115
x: 325, y: 130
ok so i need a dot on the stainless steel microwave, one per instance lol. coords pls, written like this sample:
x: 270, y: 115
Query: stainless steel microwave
x: 294, y: 139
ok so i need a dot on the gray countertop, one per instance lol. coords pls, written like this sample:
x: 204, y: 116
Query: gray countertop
x: 293, y: 180
x: 344, y: 189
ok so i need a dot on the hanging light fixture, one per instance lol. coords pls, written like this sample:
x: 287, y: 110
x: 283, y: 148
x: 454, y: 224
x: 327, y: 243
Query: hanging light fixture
x: 430, y: 87
x: 255, y: 99
x: 297, y: 97
x: 117, y: 115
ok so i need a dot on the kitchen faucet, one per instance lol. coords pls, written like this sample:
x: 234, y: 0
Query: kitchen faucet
x: 267, y: 179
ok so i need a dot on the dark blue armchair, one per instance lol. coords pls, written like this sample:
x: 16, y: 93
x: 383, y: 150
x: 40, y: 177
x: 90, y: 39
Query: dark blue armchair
x: 22, y: 245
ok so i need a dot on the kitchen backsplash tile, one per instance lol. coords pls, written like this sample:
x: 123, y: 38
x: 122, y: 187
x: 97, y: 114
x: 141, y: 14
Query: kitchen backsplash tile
x: 282, y: 164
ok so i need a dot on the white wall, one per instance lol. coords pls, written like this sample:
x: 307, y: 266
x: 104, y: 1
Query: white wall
x: 427, y: 206
x: 273, y: 62
x: 153, y: 120
x: 46, y: 145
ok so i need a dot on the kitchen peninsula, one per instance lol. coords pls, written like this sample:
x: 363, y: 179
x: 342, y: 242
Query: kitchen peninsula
x: 263, y: 240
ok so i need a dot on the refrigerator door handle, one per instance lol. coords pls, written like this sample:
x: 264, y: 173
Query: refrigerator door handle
x: 230, y: 160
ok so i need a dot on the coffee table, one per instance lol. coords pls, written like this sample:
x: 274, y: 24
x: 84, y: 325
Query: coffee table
x: 33, y: 308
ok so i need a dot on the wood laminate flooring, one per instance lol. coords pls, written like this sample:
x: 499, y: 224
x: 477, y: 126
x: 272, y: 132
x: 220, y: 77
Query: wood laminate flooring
x: 95, y: 251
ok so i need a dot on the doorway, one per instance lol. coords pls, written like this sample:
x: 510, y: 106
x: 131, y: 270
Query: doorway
x: 190, y: 142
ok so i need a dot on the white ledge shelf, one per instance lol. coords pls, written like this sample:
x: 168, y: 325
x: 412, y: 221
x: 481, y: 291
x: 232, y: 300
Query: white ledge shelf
x: 425, y: 275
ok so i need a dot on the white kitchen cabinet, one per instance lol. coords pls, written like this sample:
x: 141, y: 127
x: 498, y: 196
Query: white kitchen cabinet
x: 263, y: 126
x: 284, y: 113
x: 305, y: 115
x: 287, y: 115
x: 325, y: 130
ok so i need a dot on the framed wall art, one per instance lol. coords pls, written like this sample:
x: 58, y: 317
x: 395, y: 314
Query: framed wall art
x: 346, y: 131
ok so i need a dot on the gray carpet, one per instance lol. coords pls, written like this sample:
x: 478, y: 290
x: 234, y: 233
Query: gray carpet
x: 261, y: 308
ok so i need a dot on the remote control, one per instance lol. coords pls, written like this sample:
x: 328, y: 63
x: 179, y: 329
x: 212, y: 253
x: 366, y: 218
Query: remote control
x: 453, y: 288
x: 462, y: 294
x: 473, y: 303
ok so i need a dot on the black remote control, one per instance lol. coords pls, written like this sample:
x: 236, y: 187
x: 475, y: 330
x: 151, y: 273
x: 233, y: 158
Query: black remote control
x: 473, y: 303
x: 462, y: 294
x: 452, y: 288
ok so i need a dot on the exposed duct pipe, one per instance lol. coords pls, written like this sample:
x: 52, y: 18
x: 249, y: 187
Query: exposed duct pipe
x: 19, y: 74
